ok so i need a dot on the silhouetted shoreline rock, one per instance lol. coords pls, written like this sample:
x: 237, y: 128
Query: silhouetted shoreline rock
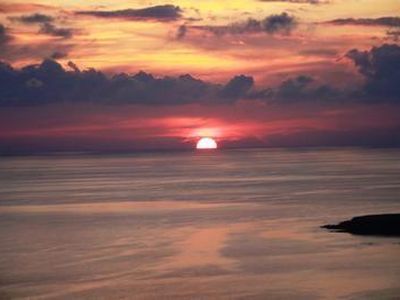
x: 378, y: 225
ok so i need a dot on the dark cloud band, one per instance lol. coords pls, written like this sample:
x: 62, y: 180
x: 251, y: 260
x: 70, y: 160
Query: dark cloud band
x: 49, y: 82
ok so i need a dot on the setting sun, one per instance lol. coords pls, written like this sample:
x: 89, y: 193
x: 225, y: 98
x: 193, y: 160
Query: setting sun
x: 206, y: 143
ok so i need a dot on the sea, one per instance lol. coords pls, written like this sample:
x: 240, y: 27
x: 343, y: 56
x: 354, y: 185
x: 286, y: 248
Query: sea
x: 205, y: 224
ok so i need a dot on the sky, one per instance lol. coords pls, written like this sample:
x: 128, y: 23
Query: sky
x: 131, y: 75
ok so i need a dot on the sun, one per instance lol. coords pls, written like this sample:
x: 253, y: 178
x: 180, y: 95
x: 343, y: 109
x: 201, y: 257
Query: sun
x: 206, y: 143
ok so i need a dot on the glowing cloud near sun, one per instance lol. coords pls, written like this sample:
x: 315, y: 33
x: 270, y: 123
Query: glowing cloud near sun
x: 206, y: 143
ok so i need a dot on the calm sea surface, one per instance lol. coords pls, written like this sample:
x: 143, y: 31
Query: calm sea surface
x: 225, y: 224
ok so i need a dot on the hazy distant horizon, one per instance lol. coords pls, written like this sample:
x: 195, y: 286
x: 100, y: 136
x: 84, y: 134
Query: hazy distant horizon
x: 188, y: 149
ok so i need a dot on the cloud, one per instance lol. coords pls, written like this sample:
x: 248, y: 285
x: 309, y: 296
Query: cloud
x: 162, y: 13
x: 55, y: 49
x: 36, y: 18
x: 381, y: 68
x: 5, y: 39
x: 383, y: 21
x: 237, y: 87
x: 46, y: 23
x: 73, y: 66
x: 279, y: 23
x: 300, y: 1
x: 319, y: 52
x: 51, y: 29
x: 58, y: 55
x: 393, y: 35
x: 305, y: 88
x: 274, y: 24
x: 49, y: 82
x: 181, y: 32
x: 4, y: 36
x: 294, y: 87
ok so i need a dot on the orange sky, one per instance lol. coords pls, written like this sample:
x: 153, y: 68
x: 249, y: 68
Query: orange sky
x: 126, y: 45
x: 211, y: 41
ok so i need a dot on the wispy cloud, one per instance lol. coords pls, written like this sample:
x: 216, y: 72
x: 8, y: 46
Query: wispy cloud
x: 51, y: 29
x: 300, y: 1
x: 35, y: 18
x: 46, y: 23
x: 274, y: 24
x: 383, y: 21
x: 163, y: 13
